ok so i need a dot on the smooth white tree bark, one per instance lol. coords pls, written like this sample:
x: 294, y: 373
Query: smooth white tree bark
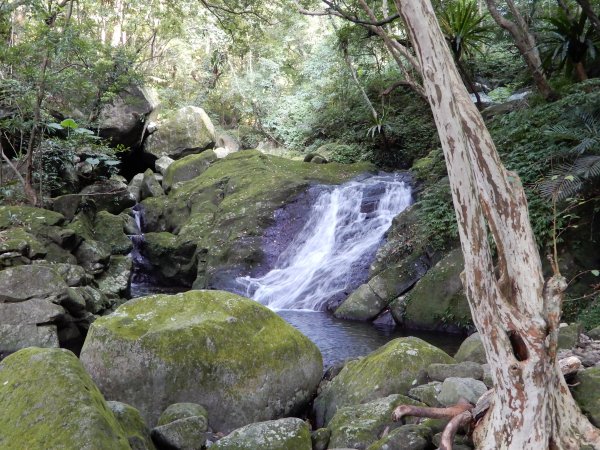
x: 516, y: 311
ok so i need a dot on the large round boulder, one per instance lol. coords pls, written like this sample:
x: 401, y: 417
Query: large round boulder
x: 392, y: 369
x: 188, y: 130
x: 228, y: 353
x: 48, y: 401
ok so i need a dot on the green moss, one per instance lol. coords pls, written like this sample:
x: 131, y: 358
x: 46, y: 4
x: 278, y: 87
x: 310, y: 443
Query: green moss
x: 209, y: 347
x: 391, y: 369
x: 285, y: 434
x: 108, y: 229
x: 188, y: 168
x: 587, y: 393
x: 48, y: 401
x: 29, y: 217
x: 358, y: 426
x: 20, y: 241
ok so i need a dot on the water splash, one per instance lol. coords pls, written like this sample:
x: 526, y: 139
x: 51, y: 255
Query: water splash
x: 344, y: 228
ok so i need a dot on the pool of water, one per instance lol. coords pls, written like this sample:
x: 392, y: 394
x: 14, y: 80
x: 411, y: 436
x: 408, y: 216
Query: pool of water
x: 340, y: 340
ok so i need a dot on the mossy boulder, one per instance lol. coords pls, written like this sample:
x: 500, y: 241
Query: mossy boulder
x: 171, y: 257
x: 150, y: 186
x: 48, y: 401
x: 407, y: 437
x: 587, y: 393
x: 471, y: 350
x: 182, y: 426
x: 392, y: 369
x: 18, y: 284
x: 437, y: 301
x: 282, y: 434
x: 185, y: 131
x: 28, y: 217
x: 188, y: 168
x: 358, y: 426
x: 230, y: 354
x: 569, y: 335
x: 23, y: 245
x: 367, y: 302
x: 136, y: 430
x: 114, y: 282
x: 109, y: 229
x: 227, y: 209
x: 109, y: 195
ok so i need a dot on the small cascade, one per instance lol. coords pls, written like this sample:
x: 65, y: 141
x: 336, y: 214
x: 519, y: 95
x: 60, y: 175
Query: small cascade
x: 331, y: 254
x: 141, y: 268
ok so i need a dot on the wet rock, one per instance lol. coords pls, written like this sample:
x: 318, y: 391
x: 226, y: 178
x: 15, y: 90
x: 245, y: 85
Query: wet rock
x: 171, y: 257
x: 282, y: 434
x: 453, y: 389
x: 394, y: 368
x: 49, y: 401
x: 235, y: 343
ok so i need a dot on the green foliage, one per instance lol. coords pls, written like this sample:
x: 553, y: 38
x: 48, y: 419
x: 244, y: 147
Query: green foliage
x: 583, y: 310
x: 464, y: 27
x: 568, y: 41
x: 437, y: 220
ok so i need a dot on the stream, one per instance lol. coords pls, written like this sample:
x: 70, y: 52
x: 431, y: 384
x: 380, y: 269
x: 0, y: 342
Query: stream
x: 328, y: 258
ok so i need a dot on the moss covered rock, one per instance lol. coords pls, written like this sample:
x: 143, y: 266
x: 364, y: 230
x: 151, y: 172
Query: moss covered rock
x: 359, y: 426
x: 136, y: 430
x: 114, y: 282
x: 283, y: 434
x: 18, y: 284
x: 49, y: 402
x: 391, y: 369
x: 29, y: 217
x: 185, y: 131
x: 587, y: 393
x: 171, y: 257
x: 18, y: 241
x: 437, y: 301
x: 109, y: 229
x: 188, y: 168
x: 237, y: 358
x: 407, y: 437
x: 471, y: 350
x: 228, y: 207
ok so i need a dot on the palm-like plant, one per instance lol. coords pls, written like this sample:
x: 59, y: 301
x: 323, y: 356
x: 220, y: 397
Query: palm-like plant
x: 464, y: 27
x: 569, y: 178
x: 568, y: 43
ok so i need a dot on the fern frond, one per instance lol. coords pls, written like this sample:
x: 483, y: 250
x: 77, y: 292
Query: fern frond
x: 586, y: 144
x: 587, y: 167
x: 561, y: 184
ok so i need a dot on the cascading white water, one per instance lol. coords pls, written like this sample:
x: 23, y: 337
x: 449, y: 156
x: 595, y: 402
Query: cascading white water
x: 345, y: 226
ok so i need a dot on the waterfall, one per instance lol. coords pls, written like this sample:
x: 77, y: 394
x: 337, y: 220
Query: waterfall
x: 344, y: 229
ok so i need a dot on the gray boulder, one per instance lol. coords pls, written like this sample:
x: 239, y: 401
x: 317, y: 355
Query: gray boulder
x: 427, y: 393
x: 214, y: 348
x: 407, y: 437
x: 123, y: 119
x: 471, y: 350
x: 282, y: 434
x: 150, y: 186
x: 182, y: 426
x: 186, y: 131
x: 22, y: 283
x: 162, y: 164
x: 453, y: 389
x: 466, y: 369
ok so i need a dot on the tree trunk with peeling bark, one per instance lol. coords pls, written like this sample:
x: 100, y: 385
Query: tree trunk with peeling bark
x: 514, y: 309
